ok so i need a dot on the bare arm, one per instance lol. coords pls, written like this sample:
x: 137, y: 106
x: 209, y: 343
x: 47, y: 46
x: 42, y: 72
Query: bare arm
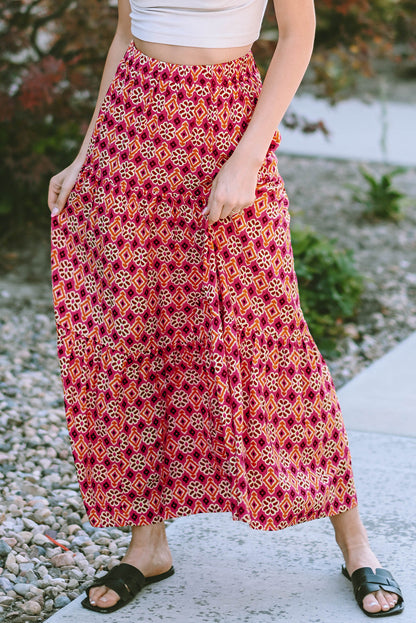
x: 61, y: 184
x: 296, y: 22
x: 116, y: 52
x: 234, y: 186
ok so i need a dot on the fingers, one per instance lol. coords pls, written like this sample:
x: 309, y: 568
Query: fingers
x: 62, y: 197
x: 218, y: 206
x: 220, y: 210
x: 228, y: 199
x: 53, y: 193
x: 59, y: 188
x: 215, y: 208
x: 58, y: 194
x: 212, y: 204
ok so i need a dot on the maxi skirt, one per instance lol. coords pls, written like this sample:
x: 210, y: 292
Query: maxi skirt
x: 191, y: 381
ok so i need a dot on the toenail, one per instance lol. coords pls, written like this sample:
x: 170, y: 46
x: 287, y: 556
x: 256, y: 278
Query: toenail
x: 385, y: 607
x: 92, y: 601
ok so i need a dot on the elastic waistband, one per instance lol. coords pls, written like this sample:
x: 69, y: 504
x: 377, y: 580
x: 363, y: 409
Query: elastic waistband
x: 236, y: 68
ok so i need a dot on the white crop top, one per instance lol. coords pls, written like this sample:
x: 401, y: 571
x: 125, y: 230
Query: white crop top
x: 198, y: 23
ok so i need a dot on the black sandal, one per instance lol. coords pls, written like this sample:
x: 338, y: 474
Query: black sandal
x: 365, y: 581
x: 126, y: 581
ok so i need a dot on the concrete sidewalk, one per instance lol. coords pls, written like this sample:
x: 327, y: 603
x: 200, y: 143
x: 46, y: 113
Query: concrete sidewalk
x: 226, y: 572
x: 380, y: 131
x: 382, y: 398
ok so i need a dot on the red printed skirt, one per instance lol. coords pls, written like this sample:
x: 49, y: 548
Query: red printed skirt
x: 191, y: 381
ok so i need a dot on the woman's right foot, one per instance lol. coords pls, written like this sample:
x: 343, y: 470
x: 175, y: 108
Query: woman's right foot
x: 148, y: 551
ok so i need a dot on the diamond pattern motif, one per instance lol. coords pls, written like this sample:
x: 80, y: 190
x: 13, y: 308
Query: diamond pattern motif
x: 191, y: 381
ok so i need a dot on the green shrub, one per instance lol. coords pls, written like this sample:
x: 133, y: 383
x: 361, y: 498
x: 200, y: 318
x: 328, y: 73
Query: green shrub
x: 380, y: 200
x: 330, y: 286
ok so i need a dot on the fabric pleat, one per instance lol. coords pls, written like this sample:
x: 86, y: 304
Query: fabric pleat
x: 191, y: 381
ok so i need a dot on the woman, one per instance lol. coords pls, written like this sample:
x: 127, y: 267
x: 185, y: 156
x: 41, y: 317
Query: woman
x: 191, y: 381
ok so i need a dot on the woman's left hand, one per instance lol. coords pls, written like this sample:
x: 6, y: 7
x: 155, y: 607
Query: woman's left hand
x: 233, y: 188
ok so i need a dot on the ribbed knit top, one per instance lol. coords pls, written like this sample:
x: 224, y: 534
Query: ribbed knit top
x: 198, y: 23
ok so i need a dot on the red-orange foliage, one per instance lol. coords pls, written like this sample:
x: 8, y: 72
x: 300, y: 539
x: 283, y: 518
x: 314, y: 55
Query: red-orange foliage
x: 40, y: 83
x: 351, y: 35
x: 52, y: 53
x: 51, y: 57
x: 346, y: 6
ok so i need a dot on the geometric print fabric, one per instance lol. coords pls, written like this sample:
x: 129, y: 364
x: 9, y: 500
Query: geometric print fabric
x: 191, y: 381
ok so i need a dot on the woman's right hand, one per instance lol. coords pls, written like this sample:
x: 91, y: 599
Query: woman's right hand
x: 61, y: 185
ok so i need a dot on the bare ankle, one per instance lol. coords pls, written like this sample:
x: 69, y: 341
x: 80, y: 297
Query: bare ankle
x: 350, y: 533
x: 152, y: 536
x: 353, y: 542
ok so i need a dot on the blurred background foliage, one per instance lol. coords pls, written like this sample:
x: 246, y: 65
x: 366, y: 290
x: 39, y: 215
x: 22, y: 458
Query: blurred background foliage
x: 51, y: 57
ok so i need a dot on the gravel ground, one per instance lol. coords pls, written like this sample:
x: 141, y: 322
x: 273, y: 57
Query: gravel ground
x: 39, y: 493
x: 384, y: 252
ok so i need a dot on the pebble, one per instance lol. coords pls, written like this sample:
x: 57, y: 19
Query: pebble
x: 62, y: 560
x: 81, y: 541
x: 11, y: 564
x: 32, y: 607
x: 6, y: 600
x: 61, y: 601
x: 5, y: 584
x: 38, y: 487
x: 41, y: 539
x: 42, y: 571
x: 76, y: 574
x: 48, y: 605
x: 22, y: 589
x: 5, y: 549
x: 25, y: 536
x: 42, y: 514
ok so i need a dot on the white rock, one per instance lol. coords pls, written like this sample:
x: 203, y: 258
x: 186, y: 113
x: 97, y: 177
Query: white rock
x: 22, y: 589
x: 40, y: 539
x: 90, y: 550
x: 11, y: 564
x: 58, y: 582
x: 6, y: 600
x: 411, y: 278
x: 29, y: 523
x: 33, y: 489
x: 81, y: 561
x: 48, y: 605
x: 20, y: 558
x: 100, y: 561
x: 14, y: 510
x: 62, y: 560
x: 73, y: 583
x: 75, y: 574
x: 42, y: 571
x: 32, y: 607
x: 42, y: 514
x: 112, y: 548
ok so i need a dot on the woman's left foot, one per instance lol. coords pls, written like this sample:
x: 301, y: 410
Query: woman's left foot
x: 360, y: 557
x: 352, y: 539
